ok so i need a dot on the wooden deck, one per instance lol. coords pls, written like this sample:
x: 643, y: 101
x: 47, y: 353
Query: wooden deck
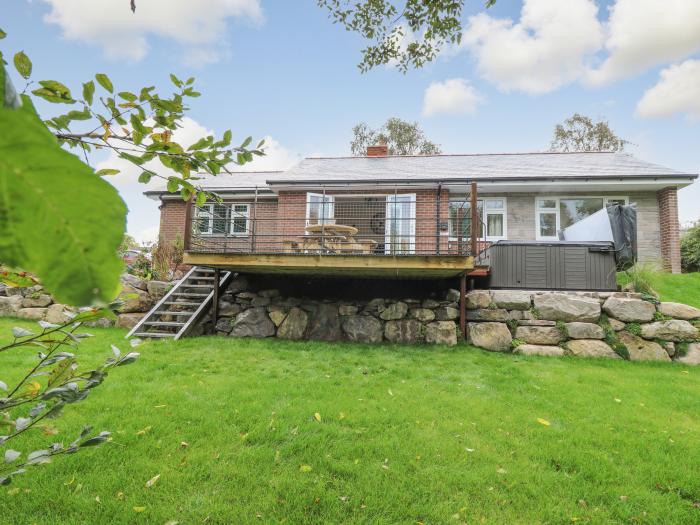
x: 386, y: 266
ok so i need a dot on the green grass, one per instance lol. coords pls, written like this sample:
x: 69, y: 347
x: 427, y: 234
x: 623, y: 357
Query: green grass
x: 675, y: 287
x: 431, y: 435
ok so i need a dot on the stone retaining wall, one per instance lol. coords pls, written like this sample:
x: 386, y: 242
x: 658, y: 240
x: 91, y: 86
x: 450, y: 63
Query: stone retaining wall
x: 35, y: 304
x: 265, y: 313
x: 616, y: 325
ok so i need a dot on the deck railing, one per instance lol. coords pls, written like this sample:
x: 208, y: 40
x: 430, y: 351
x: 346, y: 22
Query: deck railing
x: 323, y: 223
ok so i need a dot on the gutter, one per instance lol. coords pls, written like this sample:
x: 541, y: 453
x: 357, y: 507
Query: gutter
x: 586, y: 178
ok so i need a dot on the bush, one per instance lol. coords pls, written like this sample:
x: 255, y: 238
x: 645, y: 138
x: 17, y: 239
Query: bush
x: 640, y: 277
x: 690, y: 249
x: 166, y: 258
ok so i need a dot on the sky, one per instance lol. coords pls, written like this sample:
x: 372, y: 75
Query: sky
x: 281, y: 70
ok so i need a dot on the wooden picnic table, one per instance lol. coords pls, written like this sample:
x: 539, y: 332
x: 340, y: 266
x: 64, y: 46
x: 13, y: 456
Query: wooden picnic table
x: 330, y: 238
x: 331, y: 229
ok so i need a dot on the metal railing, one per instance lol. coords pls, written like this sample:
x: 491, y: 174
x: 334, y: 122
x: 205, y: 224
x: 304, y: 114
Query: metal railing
x: 337, y: 223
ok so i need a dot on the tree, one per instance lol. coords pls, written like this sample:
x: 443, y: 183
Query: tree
x: 63, y: 222
x: 386, y: 23
x: 580, y: 133
x: 401, y: 137
x: 52, y: 383
x: 77, y: 257
x: 690, y: 249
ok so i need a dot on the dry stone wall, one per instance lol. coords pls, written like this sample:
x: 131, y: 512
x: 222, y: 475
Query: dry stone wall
x: 33, y: 303
x: 244, y: 312
x: 614, y: 325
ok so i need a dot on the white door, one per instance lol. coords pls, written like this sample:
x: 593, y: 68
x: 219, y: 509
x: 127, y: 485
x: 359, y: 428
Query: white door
x: 320, y: 209
x: 400, y: 224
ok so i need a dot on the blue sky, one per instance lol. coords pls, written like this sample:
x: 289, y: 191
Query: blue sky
x: 281, y: 69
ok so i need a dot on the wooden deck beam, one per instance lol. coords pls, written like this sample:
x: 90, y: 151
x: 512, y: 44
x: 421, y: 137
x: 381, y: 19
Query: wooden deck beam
x: 405, y: 266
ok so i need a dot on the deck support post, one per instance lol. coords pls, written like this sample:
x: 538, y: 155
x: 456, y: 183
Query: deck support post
x: 475, y: 225
x: 188, y: 224
x: 463, y: 305
x: 437, y: 219
x: 215, y: 299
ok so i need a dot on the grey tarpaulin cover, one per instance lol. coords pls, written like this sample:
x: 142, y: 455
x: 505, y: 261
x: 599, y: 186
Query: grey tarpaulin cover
x: 623, y: 221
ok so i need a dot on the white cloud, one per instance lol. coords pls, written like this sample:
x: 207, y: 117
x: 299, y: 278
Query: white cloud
x: 453, y: 96
x: 198, y: 25
x: 644, y: 33
x: 677, y: 91
x: 276, y: 158
x: 550, y: 46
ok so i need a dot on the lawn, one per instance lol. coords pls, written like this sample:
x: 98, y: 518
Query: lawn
x: 676, y: 287
x: 403, y: 435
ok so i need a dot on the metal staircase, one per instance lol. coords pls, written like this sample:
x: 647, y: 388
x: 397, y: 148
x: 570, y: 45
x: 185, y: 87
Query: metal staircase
x: 183, y: 306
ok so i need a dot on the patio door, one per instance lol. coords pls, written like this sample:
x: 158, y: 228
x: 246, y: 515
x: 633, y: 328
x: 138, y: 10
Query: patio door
x: 320, y: 209
x: 400, y: 224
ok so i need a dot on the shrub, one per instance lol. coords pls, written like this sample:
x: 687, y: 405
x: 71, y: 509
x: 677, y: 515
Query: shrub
x: 166, y: 258
x: 690, y: 249
x: 515, y: 343
x: 640, y: 277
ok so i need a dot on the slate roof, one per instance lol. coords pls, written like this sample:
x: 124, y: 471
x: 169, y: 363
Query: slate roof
x: 503, y: 166
x: 426, y: 168
x: 239, y: 181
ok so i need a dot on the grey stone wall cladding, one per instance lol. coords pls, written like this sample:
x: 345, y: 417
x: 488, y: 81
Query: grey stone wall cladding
x: 522, y: 226
x: 614, y: 325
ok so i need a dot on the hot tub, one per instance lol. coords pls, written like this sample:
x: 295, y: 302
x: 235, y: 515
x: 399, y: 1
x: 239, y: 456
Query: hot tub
x: 555, y: 265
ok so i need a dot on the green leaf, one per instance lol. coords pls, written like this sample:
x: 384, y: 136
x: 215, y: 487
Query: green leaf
x: 132, y: 158
x: 201, y: 198
x: 173, y: 184
x: 54, y: 91
x: 105, y: 82
x: 175, y: 80
x: 130, y: 97
x: 58, y: 220
x: 23, y: 65
x: 88, y: 92
x: 227, y: 137
x: 200, y: 144
x: 2, y: 34
x: 80, y: 115
x: 145, y: 177
x: 107, y: 171
x: 246, y: 142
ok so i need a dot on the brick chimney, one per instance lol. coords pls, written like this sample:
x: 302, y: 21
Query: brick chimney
x: 378, y: 150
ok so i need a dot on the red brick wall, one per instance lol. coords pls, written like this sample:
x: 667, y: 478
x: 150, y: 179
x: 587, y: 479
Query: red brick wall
x: 669, y: 229
x: 172, y: 220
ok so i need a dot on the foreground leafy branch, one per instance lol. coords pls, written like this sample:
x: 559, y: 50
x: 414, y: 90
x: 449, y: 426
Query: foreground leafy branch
x: 54, y: 382
x: 409, y: 33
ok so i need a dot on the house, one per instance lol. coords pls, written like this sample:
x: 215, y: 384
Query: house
x: 411, y: 216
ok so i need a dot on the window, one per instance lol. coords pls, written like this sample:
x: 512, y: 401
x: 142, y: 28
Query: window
x: 222, y: 219
x: 239, y: 219
x: 554, y: 214
x: 320, y: 209
x: 491, y: 213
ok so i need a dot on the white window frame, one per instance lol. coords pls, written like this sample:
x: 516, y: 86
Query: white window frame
x: 245, y: 215
x: 484, y: 218
x: 209, y: 207
x: 330, y: 202
x: 557, y: 210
